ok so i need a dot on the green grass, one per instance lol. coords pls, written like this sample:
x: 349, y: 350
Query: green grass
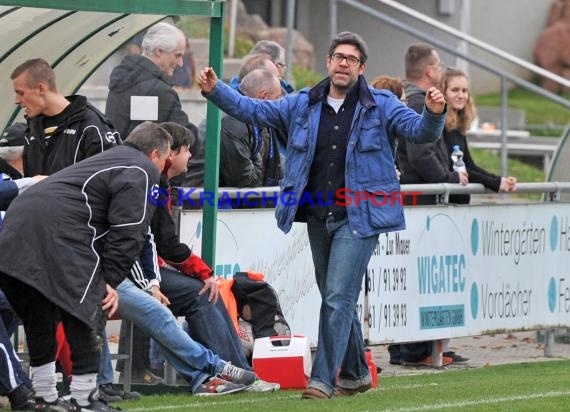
x: 492, y: 163
x: 304, y: 77
x: 522, y: 171
x: 541, y: 386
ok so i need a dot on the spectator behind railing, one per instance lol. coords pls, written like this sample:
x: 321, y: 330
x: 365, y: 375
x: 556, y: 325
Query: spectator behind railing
x: 242, y: 144
x: 194, y: 176
x: 460, y: 113
x: 423, y: 163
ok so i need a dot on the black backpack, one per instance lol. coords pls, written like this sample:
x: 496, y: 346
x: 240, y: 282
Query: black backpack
x: 258, y: 303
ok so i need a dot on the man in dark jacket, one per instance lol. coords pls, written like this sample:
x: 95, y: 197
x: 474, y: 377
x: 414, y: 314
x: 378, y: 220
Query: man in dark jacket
x: 427, y: 162
x: 423, y: 163
x: 241, y: 144
x: 62, y: 130
x: 68, y: 239
x: 140, y: 88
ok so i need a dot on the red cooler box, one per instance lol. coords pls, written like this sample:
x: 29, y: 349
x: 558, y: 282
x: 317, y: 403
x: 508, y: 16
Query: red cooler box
x: 283, y: 359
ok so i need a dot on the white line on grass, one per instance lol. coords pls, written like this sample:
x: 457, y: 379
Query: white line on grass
x: 198, y: 404
x: 460, y: 404
x: 410, y: 386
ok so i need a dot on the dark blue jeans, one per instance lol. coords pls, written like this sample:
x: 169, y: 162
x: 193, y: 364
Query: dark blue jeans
x: 340, y: 262
x: 208, y: 323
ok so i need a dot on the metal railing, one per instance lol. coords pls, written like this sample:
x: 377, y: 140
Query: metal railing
x: 550, y: 190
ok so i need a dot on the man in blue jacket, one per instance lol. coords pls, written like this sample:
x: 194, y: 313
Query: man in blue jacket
x: 338, y: 169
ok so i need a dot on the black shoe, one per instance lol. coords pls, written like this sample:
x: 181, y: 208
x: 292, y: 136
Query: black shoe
x: 96, y: 404
x: 456, y: 357
x: 111, y: 393
x: 59, y: 405
x: 22, y: 399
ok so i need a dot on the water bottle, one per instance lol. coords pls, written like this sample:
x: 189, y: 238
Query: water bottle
x: 457, y: 158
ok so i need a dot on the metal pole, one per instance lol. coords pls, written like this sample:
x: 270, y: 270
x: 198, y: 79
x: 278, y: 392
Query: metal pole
x: 212, y: 149
x: 233, y: 24
x: 504, y: 126
x: 333, y: 18
x: 465, y: 27
x: 289, y: 48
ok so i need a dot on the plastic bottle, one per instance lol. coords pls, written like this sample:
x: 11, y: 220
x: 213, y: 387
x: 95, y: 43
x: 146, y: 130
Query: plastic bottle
x: 372, y: 367
x: 457, y: 158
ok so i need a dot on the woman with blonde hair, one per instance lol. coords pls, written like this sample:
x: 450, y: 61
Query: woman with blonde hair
x: 460, y: 114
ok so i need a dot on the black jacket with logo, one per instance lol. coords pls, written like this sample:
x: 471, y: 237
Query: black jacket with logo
x: 80, y: 131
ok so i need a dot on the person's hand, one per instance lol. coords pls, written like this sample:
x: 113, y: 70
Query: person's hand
x: 158, y: 295
x: 110, y: 301
x: 208, y: 80
x: 463, y: 177
x: 39, y: 178
x: 508, y: 184
x: 435, y: 101
x: 210, y: 286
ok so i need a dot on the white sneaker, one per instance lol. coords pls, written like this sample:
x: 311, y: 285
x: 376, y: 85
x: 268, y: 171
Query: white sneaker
x: 262, y: 386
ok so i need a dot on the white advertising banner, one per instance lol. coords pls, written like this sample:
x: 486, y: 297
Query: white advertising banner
x: 455, y: 271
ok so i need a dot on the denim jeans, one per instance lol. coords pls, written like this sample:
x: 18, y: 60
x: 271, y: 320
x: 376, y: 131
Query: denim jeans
x: 208, y: 323
x: 192, y: 360
x: 106, y: 374
x: 340, y: 262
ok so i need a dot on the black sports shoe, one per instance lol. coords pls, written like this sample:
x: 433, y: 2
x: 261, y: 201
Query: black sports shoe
x: 59, y: 405
x: 111, y: 393
x: 457, y: 358
x: 22, y: 399
x: 96, y: 404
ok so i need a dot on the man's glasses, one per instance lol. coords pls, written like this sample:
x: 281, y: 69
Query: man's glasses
x: 282, y: 66
x: 350, y: 60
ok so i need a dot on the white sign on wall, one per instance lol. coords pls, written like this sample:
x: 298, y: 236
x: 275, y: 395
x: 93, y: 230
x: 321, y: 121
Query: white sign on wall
x: 455, y: 271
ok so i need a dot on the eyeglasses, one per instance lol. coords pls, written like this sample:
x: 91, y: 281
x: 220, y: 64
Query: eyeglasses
x: 281, y: 65
x: 350, y: 60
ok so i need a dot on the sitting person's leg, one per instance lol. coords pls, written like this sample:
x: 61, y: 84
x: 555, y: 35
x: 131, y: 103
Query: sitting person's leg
x: 208, y: 323
x: 194, y: 362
